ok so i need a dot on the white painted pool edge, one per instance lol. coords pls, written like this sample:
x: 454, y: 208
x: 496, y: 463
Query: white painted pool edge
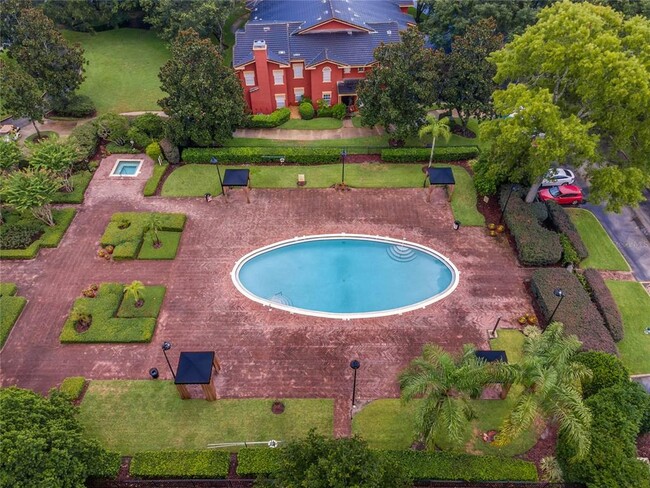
x: 234, y: 275
x: 137, y: 171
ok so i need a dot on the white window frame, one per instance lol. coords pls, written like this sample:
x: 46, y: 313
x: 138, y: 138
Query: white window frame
x: 278, y: 73
x: 347, y: 70
x: 329, y: 94
x: 327, y: 70
x: 298, y: 66
x: 361, y: 69
x: 280, y: 96
x: 296, y: 91
x: 249, y: 76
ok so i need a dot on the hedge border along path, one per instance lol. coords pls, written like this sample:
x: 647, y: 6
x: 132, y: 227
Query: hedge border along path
x: 50, y: 238
x: 181, y: 464
x: 11, y: 306
x: 605, y: 303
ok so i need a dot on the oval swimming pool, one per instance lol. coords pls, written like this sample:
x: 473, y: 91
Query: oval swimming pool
x: 345, y: 276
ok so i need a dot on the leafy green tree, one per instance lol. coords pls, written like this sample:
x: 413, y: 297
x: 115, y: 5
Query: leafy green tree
x: 57, y: 156
x: 135, y: 290
x: 32, y: 190
x: 43, y: 444
x: 113, y: 127
x: 551, y: 378
x: 445, y: 384
x: 9, y: 15
x: 21, y: 95
x: 606, y: 370
x: 10, y: 156
x: 320, y: 462
x: 44, y: 54
x: 399, y: 89
x: 467, y: 74
x: 87, y: 15
x: 435, y: 128
x: 205, y: 102
x: 595, y: 64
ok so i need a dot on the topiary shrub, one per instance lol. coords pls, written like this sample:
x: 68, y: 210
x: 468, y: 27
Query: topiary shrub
x: 607, y: 370
x: 306, y: 111
x: 569, y: 254
x: 271, y: 120
x: 605, y: 303
x: 85, y: 139
x: 561, y: 221
x: 73, y: 386
x: 76, y: 106
x: 153, y: 151
x: 170, y: 150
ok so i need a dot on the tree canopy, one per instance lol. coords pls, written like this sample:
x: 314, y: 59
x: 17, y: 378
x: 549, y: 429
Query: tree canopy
x: 32, y: 190
x: 205, y: 102
x: 57, y: 156
x: 87, y: 15
x: 20, y: 93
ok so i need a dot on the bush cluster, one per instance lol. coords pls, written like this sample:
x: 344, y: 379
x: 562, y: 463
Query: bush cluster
x: 73, y: 386
x: 336, y: 111
x: 569, y: 254
x: 76, y: 106
x: 181, y: 464
x: 306, y: 110
x: 271, y: 120
x: 105, y: 465
x: 605, y: 303
x: 254, y: 462
x: 607, y: 370
x: 150, y: 124
x: 420, y: 154
x: 153, y: 151
x: 20, y: 235
x: 577, y: 312
x: 170, y: 151
x: 113, y: 127
x: 562, y: 223
x: 113, y: 148
x: 86, y: 139
x: 238, y: 155
x: 50, y: 238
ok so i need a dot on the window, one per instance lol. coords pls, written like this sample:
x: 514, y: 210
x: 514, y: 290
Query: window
x: 249, y: 78
x: 361, y: 70
x: 327, y: 74
x: 327, y: 98
x: 298, y: 94
x: 278, y: 77
x: 280, y: 101
x: 297, y: 70
x: 347, y: 70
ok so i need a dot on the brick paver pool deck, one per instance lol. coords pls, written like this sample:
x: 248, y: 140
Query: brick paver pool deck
x: 264, y: 353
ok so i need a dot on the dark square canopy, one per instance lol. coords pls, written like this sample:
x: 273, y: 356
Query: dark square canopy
x: 194, y: 368
x: 492, y: 356
x: 236, y: 177
x: 441, y: 176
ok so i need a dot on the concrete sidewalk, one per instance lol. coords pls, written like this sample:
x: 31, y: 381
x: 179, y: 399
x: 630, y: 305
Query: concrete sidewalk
x: 346, y: 132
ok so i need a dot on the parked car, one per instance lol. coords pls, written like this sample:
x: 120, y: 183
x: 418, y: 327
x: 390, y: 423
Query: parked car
x: 558, y: 176
x: 563, y: 194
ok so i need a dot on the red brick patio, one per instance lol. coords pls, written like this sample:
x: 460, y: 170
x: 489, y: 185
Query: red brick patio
x: 264, y: 353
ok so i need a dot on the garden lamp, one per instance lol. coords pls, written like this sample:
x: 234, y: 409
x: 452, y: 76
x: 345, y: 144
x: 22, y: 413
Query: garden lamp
x: 354, y: 364
x: 560, y: 294
x: 166, y: 346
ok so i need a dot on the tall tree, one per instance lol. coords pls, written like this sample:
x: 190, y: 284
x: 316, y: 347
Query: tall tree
x: 467, y: 74
x: 57, y: 156
x: 205, y: 102
x: 445, y: 385
x: 596, y: 65
x: 32, y: 190
x: 399, y: 89
x: 41, y: 51
x: 435, y: 128
x: 552, y: 380
x: 21, y: 95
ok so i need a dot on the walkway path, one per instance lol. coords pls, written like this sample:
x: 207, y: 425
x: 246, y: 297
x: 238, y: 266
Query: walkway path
x: 346, y: 132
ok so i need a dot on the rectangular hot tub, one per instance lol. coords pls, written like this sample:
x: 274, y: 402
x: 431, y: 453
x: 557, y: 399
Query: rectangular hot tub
x: 127, y: 167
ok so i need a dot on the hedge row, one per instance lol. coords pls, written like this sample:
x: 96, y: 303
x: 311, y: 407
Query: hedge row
x: 238, y: 155
x: 152, y: 183
x: 11, y: 307
x: 107, y: 465
x: 562, y: 223
x: 181, y: 464
x: 418, y: 154
x: 271, y: 120
x: 577, y: 312
x: 73, y: 386
x: 605, y: 303
x: 254, y: 462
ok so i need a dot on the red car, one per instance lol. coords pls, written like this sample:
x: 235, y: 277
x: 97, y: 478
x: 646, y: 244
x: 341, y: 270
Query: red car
x: 563, y: 194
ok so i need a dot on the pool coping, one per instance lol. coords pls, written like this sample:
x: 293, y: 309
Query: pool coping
x: 234, y: 275
x: 118, y: 161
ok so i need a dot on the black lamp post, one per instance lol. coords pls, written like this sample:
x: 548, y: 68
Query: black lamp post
x: 354, y: 364
x: 512, y: 188
x: 166, y: 346
x: 215, y: 161
x: 343, y: 154
x: 494, y: 331
x: 560, y: 294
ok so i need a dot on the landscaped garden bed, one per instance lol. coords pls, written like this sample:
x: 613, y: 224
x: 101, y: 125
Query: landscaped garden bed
x: 142, y: 235
x: 107, y: 314
x: 80, y: 180
x: 41, y: 235
x: 11, y: 307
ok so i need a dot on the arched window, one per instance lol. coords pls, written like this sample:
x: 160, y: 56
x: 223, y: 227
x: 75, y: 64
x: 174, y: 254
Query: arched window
x: 327, y: 74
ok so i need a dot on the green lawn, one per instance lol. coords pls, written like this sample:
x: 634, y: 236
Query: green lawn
x: 511, y: 341
x: 634, y: 303
x: 122, y: 70
x: 10, y: 308
x: 132, y: 416
x: 195, y: 180
x: 603, y: 253
x: 313, y: 124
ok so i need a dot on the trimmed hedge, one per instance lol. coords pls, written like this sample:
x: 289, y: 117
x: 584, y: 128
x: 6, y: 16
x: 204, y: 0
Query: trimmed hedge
x: 73, y: 386
x: 8, y: 289
x: 80, y: 182
x: 562, y: 223
x: 238, y: 155
x: 152, y: 183
x: 113, y: 148
x: 105, y: 466
x: 11, y: 307
x: 86, y: 139
x: 422, y: 154
x: 76, y: 106
x: 605, y: 303
x: 271, y: 120
x: 262, y: 461
x: 577, y: 312
x: 50, y: 238
x: 607, y: 370
x: 181, y: 464
x: 306, y: 111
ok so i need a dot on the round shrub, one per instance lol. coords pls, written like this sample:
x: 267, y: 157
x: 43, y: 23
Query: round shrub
x: 153, y: 151
x: 338, y: 111
x: 76, y: 106
x: 86, y: 139
x: 607, y: 370
x: 306, y: 110
x: 139, y: 138
x: 113, y: 127
x: 150, y: 124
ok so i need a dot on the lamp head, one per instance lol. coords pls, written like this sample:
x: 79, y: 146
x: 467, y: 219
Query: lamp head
x: 214, y: 160
x: 355, y: 364
x: 558, y: 292
x: 166, y: 346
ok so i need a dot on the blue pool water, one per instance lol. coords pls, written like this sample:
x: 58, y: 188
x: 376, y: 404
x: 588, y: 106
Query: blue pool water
x: 127, y: 168
x: 340, y: 275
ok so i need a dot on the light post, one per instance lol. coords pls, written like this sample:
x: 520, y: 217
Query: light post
x: 560, y: 294
x: 503, y: 211
x: 343, y: 186
x: 354, y: 364
x: 494, y: 331
x: 215, y: 161
x: 166, y: 346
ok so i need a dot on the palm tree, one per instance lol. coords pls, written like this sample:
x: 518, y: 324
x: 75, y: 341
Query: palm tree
x: 552, y: 389
x: 446, y: 384
x: 135, y: 289
x: 436, y: 128
x: 154, y: 225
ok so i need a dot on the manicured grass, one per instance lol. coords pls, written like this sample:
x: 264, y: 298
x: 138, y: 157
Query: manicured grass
x: 50, y: 238
x: 122, y: 70
x: 133, y: 416
x: 10, y: 308
x: 114, y: 318
x: 603, y: 253
x: 192, y: 180
x: 511, y: 341
x: 357, y: 121
x: 634, y: 303
x: 80, y: 183
x: 152, y: 183
x: 132, y: 240
x: 313, y: 124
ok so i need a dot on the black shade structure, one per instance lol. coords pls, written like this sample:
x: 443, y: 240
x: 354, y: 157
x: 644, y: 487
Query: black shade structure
x: 236, y: 178
x: 440, y: 177
x: 492, y: 356
x: 196, y: 368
